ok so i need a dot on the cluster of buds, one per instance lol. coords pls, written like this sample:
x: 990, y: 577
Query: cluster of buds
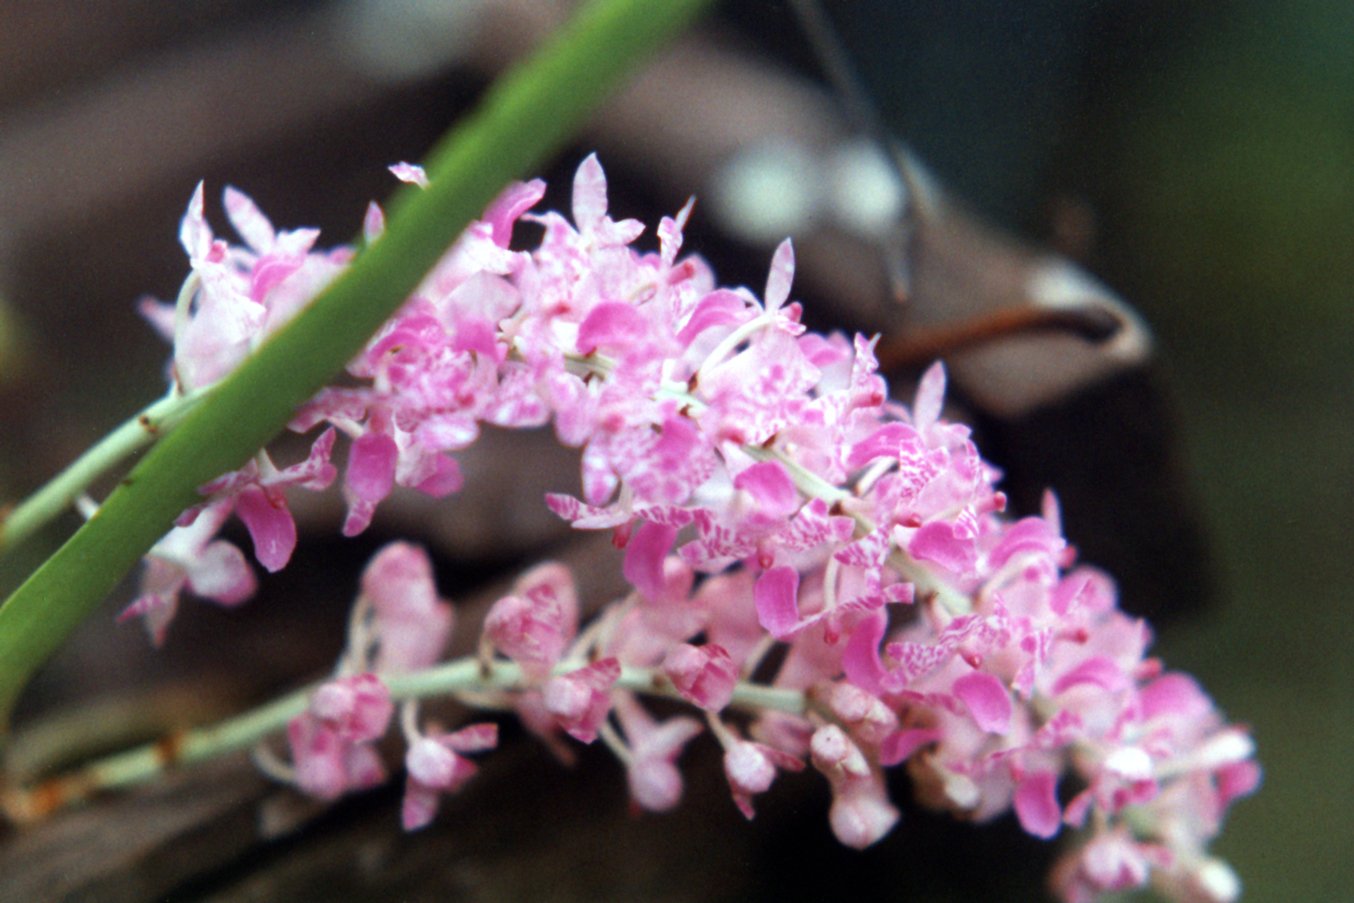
x: 789, y: 533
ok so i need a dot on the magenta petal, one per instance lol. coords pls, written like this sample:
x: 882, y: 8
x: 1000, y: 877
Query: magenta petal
x: 882, y: 443
x: 359, y: 517
x: 508, y: 207
x: 862, y: 816
x: 679, y: 441
x: 655, y: 784
x: 532, y: 631
x: 721, y: 307
x: 1177, y: 695
x: 776, y: 597
x: 860, y: 658
x: 644, y: 555
x: 319, y: 758
x: 270, y: 527
x: 409, y: 173
x: 941, y: 543
x: 315, y: 472
x: 1036, y: 804
x: 412, y: 622
x: 749, y: 771
x: 363, y: 767
x: 373, y: 222
x: 1098, y: 671
x: 371, y: 467
x: 987, y: 701
x: 419, y: 806
x: 478, y: 335
x: 157, y: 608
x: 781, y: 276
x: 445, y: 480
x: 431, y: 764
x: 473, y: 738
x: 900, y: 745
x: 771, y: 486
x: 612, y: 326
x: 399, y: 581
x: 581, y: 699
x: 930, y: 397
x: 221, y: 574
x: 1030, y: 535
x: 249, y: 220
x: 269, y: 272
x: 704, y: 675
x: 589, y: 198
x: 1237, y: 780
x: 357, y: 708
x: 194, y: 233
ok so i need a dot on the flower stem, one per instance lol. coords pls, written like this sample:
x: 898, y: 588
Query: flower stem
x: 60, y: 492
x: 464, y: 675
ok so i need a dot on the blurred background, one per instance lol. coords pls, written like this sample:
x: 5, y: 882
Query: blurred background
x: 1198, y: 159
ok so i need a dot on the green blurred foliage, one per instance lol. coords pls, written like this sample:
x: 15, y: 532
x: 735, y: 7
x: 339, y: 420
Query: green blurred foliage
x: 1240, y: 162
x: 1226, y: 176
x: 1215, y: 145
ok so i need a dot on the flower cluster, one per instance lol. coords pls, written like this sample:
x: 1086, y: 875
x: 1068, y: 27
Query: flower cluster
x: 789, y: 532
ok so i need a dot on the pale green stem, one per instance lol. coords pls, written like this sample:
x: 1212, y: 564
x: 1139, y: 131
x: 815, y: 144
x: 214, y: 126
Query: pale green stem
x: 464, y: 675
x: 727, y: 345
x: 608, y: 734
x: 60, y: 493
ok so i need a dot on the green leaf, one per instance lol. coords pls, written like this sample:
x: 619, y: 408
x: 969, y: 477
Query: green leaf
x: 524, y: 119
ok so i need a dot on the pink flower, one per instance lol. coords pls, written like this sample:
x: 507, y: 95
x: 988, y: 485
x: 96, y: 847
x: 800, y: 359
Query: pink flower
x: 645, y: 552
x: 1036, y: 804
x: 243, y: 294
x: 867, y: 718
x: 357, y: 708
x: 581, y: 699
x: 777, y: 607
x: 704, y: 675
x: 651, y: 772
x: 534, y: 625
x: 410, y: 173
x: 590, y: 208
x: 189, y: 557
x: 258, y: 494
x: 436, y: 765
x: 1111, y: 861
x: 331, y: 742
x: 732, y: 623
x: 986, y: 700
x: 283, y: 274
x: 644, y: 634
x: 772, y: 490
x: 412, y: 623
x: 861, y: 813
x: 751, y: 767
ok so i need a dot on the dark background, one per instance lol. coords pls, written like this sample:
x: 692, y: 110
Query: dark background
x: 1197, y: 157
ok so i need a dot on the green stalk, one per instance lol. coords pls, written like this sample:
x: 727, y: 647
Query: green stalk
x: 526, y: 117
x: 60, y: 493
x: 464, y: 675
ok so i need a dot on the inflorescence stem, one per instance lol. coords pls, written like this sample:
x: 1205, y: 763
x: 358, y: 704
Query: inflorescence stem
x: 463, y: 675
x: 60, y: 493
